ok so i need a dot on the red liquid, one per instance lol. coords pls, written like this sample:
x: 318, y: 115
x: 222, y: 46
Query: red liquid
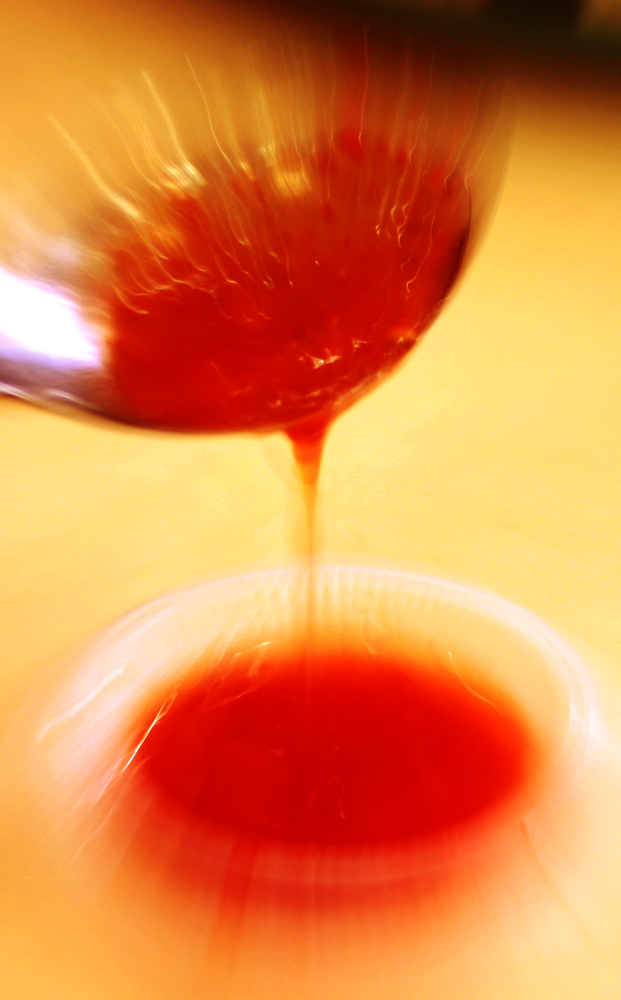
x: 356, y: 750
x: 277, y: 292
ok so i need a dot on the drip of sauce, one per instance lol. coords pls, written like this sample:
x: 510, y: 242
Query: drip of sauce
x: 307, y: 443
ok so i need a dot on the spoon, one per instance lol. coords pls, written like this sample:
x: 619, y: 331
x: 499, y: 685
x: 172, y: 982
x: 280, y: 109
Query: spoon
x: 255, y: 270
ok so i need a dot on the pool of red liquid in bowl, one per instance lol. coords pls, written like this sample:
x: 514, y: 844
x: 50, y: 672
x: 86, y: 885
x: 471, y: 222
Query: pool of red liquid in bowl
x: 336, y: 767
x: 338, y: 749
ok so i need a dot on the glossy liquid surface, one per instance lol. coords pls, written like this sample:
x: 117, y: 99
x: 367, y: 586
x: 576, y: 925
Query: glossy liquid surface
x: 352, y: 749
x: 281, y: 285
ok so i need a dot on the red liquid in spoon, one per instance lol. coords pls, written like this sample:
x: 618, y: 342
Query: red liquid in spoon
x: 283, y: 287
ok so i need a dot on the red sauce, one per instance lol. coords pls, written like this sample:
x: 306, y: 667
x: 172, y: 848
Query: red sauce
x: 281, y: 288
x: 350, y: 749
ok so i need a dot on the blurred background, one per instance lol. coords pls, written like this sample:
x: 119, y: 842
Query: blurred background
x: 582, y: 22
x: 493, y: 455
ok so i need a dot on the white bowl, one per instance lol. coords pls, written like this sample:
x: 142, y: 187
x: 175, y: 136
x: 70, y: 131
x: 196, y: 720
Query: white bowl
x: 80, y: 739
